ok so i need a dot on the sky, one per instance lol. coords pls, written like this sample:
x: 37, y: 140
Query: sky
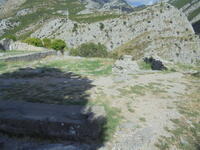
x: 141, y: 2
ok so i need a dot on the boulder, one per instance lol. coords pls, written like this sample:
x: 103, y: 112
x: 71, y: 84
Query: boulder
x: 5, y: 44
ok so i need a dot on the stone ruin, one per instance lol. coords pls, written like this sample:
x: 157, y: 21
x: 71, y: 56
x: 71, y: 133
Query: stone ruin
x: 5, y: 44
x: 125, y: 65
x: 9, y: 44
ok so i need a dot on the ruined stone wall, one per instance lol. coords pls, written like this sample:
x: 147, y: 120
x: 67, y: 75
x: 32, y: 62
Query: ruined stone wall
x: 24, y: 46
x: 30, y: 57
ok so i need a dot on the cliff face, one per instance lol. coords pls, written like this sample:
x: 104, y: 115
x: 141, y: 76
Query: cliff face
x: 157, y: 30
x: 8, y: 6
x: 105, y: 5
x: 160, y: 29
x: 191, y: 8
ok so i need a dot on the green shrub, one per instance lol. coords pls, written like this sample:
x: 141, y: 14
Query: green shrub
x: 12, y: 37
x: 58, y: 45
x: 90, y: 50
x: 101, y: 26
x: 34, y: 41
x: 75, y: 27
x: 47, y: 42
x: 74, y: 52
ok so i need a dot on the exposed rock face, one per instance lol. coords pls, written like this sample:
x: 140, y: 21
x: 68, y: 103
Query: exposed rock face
x: 5, y: 24
x: 24, y: 46
x: 160, y: 29
x: 125, y: 66
x: 8, y: 44
x: 9, y: 6
x: 191, y: 9
x: 5, y: 44
x: 105, y: 5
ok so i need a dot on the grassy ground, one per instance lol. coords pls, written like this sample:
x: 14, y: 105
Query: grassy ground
x: 82, y: 66
x: 144, y: 99
x: 186, y: 134
x: 13, y: 52
x: 59, y: 81
x: 93, y: 66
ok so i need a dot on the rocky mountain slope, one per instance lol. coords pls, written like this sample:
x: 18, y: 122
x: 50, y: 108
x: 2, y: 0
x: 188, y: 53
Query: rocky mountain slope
x: 191, y: 8
x: 105, y: 5
x: 157, y: 30
x: 28, y: 15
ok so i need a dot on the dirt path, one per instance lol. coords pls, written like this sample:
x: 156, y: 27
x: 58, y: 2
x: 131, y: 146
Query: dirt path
x: 147, y: 104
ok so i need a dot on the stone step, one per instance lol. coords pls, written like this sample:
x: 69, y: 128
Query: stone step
x: 75, y: 123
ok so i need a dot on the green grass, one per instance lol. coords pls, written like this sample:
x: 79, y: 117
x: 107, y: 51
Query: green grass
x: 180, y: 3
x: 144, y: 66
x: 61, y: 92
x: 186, y: 134
x: 194, y: 13
x: 96, y: 67
x: 83, y: 66
x: 113, y: 118
x: 95, y: 18
x: 129, y: 107
x: 138, y: 90
x: 142, y: 90
x: 2, y: 66
x: 14, y: 52
x: 142, y: 119
x: 12, y: 66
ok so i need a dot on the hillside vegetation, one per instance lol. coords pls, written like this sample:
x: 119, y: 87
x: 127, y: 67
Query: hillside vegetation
x: 190, y: 7
x: 32, y: 14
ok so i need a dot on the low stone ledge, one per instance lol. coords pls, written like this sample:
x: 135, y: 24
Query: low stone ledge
x: 49, y: 121
x: 30, y: 57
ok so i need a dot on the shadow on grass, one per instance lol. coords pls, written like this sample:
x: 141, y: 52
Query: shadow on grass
x: 51, y: 86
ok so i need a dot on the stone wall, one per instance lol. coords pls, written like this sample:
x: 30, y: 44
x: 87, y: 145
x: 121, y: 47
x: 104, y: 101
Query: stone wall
x: 30, y: 57
x: 8, y: 44
x: 24, y: 46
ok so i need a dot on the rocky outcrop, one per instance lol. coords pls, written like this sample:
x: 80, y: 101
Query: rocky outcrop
x: 125, y: 65
x: 160, y: 29
x: 8, y: 44
x: 190, y: 8
x: 105, y: 5
x: 6, y: 24
x: 8, y: 6
x: 24, y: 46
x: 5, y: 44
